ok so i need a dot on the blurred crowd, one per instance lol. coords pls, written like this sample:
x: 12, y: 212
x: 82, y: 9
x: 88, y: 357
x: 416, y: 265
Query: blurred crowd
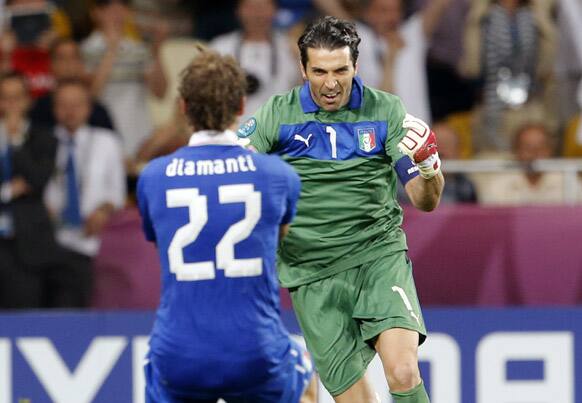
x: 88, y: 95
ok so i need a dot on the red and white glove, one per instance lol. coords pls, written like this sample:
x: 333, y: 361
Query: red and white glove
x: 420, y: 145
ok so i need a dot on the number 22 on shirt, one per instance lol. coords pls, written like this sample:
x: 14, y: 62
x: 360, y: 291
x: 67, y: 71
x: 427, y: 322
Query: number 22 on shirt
x: 198, y: 217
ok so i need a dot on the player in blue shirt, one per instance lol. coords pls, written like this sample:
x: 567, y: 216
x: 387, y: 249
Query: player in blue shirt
x: 216, y: 211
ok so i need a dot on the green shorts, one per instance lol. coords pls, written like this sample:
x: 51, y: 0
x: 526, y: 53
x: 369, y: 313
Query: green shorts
x: 341, y: 316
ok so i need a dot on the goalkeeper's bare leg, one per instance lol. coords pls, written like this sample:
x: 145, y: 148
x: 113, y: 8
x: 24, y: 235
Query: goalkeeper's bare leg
x: 359, y: 392
x: 398, y: 350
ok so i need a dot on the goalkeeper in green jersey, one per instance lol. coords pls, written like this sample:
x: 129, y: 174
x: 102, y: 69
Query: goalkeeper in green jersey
x: 344, y: 259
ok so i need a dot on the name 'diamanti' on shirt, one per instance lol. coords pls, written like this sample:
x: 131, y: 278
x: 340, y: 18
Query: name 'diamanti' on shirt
x: 182, y: 167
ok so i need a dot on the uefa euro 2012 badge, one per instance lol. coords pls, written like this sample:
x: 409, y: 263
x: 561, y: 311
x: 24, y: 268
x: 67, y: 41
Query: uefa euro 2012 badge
x: 247, y: 128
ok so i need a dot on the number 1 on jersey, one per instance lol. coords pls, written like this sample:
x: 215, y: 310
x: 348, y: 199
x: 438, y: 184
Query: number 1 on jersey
x: 198, y: 217
x: 333, y: 140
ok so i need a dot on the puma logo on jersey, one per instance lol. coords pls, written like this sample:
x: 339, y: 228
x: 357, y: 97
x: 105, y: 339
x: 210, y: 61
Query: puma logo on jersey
x: 303, y: 139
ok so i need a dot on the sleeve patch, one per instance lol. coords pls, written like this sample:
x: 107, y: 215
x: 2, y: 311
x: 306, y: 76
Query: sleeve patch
x: 247, y: 128
x: 405, y: 169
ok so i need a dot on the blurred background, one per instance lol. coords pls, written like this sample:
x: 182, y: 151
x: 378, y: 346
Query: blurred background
x: 88, y: 91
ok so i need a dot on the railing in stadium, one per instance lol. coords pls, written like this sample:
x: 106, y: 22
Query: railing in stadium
x: 571, y: 168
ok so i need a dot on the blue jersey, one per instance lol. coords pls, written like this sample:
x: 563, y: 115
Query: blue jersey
x: 214, y: 212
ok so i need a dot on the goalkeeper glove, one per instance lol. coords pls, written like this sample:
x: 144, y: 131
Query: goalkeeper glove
x: 420, y: 145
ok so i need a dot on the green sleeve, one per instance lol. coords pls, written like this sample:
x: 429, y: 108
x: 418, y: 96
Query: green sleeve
x: 263, y: 128
x: 396, y: 113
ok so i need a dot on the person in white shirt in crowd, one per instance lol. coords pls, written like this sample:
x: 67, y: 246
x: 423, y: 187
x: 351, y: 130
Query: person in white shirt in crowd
x: 89, y: 180
x: 264, y: 53
x: 527, y: 187
x: 401, y: 47
x: 123, y: 69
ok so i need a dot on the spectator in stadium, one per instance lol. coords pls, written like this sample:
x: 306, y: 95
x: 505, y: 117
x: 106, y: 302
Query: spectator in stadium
x: 532, y: 142
x: 27, y: 247
x: 123, y: 68
x: 510, y: 46
x: 401, y: 49
x: 459, y: 188
x: 66, y: 63
x: 88, y: 185
x: 188, y: 353
x: 263, y: 52
x: 28, y: 34
x: 349, y: 143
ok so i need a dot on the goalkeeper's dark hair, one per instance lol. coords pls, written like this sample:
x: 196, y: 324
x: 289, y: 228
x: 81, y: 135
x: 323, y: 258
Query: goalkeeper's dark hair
x: 212, y: 87
x: 329, y: 33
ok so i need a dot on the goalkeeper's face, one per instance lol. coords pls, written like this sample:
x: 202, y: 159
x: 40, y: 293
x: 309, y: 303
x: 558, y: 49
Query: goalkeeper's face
x: 330, y: 74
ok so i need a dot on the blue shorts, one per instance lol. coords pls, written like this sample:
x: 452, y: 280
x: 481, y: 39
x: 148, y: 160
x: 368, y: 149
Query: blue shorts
x: 286, y: 386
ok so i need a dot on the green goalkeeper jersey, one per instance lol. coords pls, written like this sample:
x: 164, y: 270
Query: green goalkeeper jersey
x: 347, y: 160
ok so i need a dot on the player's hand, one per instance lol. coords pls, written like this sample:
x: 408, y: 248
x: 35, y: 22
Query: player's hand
x: 420, y: 145
x: 97, y: 220
x: 246, y: 143
x: 19, y: 187
x: 46, y: 39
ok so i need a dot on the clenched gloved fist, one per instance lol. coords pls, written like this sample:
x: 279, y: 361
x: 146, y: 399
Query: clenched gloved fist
x: 420, y: 145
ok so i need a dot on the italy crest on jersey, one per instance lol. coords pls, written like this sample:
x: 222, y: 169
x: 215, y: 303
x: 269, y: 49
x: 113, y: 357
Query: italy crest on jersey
x: 367, y: 139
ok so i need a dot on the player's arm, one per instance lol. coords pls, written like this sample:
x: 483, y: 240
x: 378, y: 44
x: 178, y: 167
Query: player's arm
x: 425, y: 194
x: 420, y: 146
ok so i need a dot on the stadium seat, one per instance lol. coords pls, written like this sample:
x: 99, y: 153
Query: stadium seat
x: 462, y: 123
